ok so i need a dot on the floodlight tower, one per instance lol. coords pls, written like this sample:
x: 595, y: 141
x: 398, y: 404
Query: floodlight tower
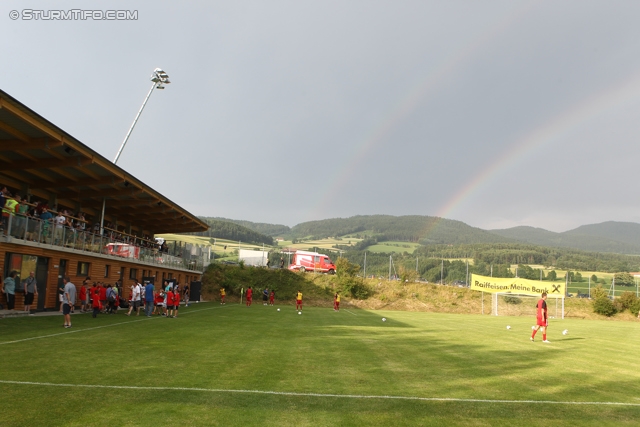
x: 159, y: 78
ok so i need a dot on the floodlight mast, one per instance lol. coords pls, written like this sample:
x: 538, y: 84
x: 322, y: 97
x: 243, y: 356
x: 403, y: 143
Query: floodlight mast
x: 159, y: 79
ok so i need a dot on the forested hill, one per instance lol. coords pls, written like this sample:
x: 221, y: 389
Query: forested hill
x: 412, y: 228
x: 611, y: 236
x: 273, y: 230
x: 232, y: 231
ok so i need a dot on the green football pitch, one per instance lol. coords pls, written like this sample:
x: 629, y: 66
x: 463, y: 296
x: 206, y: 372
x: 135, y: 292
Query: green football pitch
x: 231, y: 365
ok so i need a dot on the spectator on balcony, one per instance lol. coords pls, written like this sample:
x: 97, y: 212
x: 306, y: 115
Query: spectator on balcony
x: 46, y: 217
x: 8, y: 211
x: 58, y: 232
x: 23, y: 212
x: 81, y: 226
x: 3, y: 200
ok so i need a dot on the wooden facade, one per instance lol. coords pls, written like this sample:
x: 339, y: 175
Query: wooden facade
x: 101, y: 268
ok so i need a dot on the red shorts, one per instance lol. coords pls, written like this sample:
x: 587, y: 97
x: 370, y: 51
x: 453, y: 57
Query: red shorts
x: 298, y: 302
x: 249, y: 299
x: 542, y: 322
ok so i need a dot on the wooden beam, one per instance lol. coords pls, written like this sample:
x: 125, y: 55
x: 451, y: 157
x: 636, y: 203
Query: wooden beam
x: 33, y: 144
x: 92, y: 194
x: 15, y: 132
x: 70, y: 183
x: 45, y: 163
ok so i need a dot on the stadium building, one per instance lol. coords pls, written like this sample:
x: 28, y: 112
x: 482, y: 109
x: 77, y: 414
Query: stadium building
x: 111, y: 217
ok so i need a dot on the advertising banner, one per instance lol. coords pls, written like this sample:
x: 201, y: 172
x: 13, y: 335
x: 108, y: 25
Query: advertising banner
x: 516, y: 285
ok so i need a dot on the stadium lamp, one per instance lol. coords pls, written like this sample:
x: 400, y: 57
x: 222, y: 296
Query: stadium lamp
x: 160, y: 78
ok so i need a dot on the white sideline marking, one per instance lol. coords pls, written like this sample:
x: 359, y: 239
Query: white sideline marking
x: 350, y: 312
x: 291, y: 393
x: 98, y: 327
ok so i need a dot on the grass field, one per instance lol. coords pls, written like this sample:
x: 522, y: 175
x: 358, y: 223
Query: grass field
x: 231, y: 365
x: 398, y: 247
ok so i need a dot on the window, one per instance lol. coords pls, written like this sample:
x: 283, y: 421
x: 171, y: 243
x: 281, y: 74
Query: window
x: 121, y: 274
x: 106, y: 270
x: 83, y: 269
x: 133, y: 273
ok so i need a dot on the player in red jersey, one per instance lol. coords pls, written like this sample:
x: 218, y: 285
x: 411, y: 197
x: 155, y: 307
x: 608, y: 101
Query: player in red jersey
x: 159, y: 302
x: 272, y: 296
x: 542, y: 318
x: 176, y: 301
x: 83, y: 297
x: 249, y: 296
x: 170, y: 303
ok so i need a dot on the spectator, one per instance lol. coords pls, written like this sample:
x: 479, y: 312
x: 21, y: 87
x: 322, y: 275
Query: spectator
x: 68, y: 300
x: 135, y: 298
x: 148, y: 299
x: 9, y: 289
x: 8, y: 211
x: 30, y: 291
x: 112, y: 297
x: 58, y: 232
x: 46, y: 217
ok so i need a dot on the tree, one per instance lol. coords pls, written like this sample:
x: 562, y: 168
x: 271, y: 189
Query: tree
x: 577, y: 277
x: 552, y: 275
x: 624, y: 279
x: 594, y: 278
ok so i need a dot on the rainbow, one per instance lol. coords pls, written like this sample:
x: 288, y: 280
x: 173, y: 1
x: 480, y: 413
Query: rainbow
x: 625, y: 91
x: 410, y: 102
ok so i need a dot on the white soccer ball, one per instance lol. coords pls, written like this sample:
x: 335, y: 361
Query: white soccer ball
x: 508, y: 327
x: 299, y: 312
x: 278, y: 309
x: 565, y: 332
x: 384, y: 319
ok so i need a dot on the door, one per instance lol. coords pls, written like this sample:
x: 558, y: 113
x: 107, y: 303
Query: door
x: 42, y: 272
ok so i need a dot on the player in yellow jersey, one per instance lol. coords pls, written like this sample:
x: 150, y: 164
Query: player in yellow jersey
x: 299, y: 301
x: 336, y: 302
x: 222, y: 295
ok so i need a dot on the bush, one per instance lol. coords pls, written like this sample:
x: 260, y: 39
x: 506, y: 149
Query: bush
x: 604, y: 306
x: 356, y: 290
x: 510, y: 299
x: 627, y: 299
x: 635, y: 307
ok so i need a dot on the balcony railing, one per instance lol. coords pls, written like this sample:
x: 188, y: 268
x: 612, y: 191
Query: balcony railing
x: 46, y: 233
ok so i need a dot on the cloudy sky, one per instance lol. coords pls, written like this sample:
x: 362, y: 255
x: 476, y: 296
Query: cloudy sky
x: 495, y: 113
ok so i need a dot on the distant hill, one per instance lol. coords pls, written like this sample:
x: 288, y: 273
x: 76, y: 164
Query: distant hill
x: 411, y: 228
x: 610, y: 236
x: 232, y: 231
x: 272, y: 230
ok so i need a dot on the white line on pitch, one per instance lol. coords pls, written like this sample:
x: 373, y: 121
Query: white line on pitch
x: 291, y: 393
x: 96, y: 327
x: 350, y: 312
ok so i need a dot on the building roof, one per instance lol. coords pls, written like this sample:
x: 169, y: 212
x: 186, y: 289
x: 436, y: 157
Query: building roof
x: 39, y: 158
